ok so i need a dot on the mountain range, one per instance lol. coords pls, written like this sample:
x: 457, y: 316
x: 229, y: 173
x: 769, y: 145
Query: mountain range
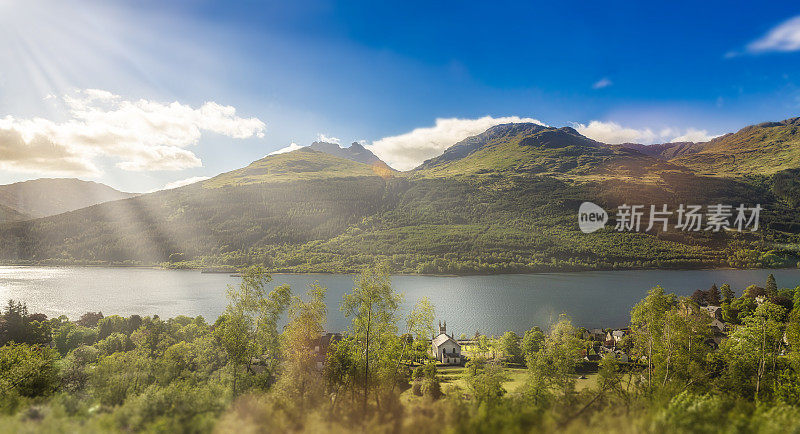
x: 504, y: 200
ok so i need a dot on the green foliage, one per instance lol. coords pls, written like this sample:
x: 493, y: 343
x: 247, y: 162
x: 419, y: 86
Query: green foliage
x: 177, y: 375
x: 16, y: 325
x: 532, y: 342
x: 27, y: 370
x: 510, y: 346
x: 552, y: 368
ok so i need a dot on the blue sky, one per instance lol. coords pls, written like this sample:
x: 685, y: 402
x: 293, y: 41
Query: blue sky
x: 381, y: 72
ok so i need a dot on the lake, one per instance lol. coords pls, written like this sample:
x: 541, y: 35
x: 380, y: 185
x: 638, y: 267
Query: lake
x: 489, y: 304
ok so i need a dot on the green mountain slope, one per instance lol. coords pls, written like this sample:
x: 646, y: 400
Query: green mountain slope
x: 503, y: 201
x: 302, y: 164
x: 45, y: 197
x: 762, y: 149
x: 527, y: 148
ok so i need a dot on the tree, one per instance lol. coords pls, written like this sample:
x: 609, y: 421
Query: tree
x: 17, y: 325
x: 551, y: 369
x: 28, y: 370
x: 771, y: 287
x: 89, y: 319
x: 509, y: 345
x: 485, y: 380
x: 648, y: 318
x: 713, y: 296
x: 248, y: 327
x: 532, y: 342
x: 752, y: 352
x: 300, y: 380
x: 372, y: 307
x: 420, y: 319
x: 727, y: 293
x: 698, y: 297
x: 419, y: 327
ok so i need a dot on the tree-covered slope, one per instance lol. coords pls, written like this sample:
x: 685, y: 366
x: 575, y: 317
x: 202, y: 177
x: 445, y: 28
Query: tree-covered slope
x: 9, y: 214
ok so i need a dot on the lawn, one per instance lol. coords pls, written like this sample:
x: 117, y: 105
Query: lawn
x: 452, y: 379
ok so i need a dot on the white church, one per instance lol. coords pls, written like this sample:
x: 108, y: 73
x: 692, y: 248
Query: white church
x: 445, y: 348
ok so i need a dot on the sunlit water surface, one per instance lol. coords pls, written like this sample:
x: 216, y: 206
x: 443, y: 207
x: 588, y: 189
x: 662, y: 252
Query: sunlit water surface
x: 489, y: 304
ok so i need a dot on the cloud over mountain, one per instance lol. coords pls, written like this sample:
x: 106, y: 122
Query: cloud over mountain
x: 614, y: 133
x: 406, y: 151
x: 141, y: 135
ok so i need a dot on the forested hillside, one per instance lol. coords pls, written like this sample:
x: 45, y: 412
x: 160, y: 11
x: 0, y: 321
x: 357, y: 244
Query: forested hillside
x: 503, y: 201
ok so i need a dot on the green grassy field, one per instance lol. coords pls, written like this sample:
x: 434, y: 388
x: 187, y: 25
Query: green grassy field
x: 453, y: 380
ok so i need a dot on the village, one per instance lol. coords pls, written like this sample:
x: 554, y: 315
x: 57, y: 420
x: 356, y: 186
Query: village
x: 450, y: 354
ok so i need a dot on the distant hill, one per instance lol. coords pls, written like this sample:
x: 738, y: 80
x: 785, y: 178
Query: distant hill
x: 46, y: 197
x: 762, y: 149
x: 664, y: 151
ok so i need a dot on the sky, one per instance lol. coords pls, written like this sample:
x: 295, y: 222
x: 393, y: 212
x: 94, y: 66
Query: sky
x: 143, y: 96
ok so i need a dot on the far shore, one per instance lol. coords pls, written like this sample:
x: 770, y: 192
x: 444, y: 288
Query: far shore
x: 235, y: 271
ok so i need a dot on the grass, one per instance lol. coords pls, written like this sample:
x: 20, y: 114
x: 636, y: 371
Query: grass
x: 453, y: 379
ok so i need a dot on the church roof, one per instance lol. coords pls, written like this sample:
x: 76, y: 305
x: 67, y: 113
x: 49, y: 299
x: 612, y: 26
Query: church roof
x: 441, y: 339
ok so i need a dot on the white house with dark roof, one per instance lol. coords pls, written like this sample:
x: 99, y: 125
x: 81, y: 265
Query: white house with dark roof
x: 444, y: 347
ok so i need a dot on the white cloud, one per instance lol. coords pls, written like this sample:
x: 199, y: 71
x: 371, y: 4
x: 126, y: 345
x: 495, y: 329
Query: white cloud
x: 183, y: 182
x: 406, y: 151
x: 614, y: 133
x: 323, y: 138
x: 292, y: 147
x: 784, y: 37
x: 603, y: 82
x: 694, y: 135
x: 144, y: 135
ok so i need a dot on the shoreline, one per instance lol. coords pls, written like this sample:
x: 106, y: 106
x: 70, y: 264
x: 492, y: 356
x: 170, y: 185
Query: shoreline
x: 290, y: 273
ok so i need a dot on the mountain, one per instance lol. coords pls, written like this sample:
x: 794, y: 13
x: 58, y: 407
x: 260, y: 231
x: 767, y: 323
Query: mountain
x: 45, y: 197
x: 301, y: 164
x: 356, y: 152
x: 527, y: 148
x: 762, y: 149
x: 504, y: 200
x: 664, y: 151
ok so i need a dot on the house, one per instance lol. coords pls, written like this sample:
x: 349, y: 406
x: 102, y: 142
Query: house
x: 615, y: 336
x: 444, y: 347
x: 713, y: 311
x: 322, y: 345
x: 592, y: 335
x: 621, y: 356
